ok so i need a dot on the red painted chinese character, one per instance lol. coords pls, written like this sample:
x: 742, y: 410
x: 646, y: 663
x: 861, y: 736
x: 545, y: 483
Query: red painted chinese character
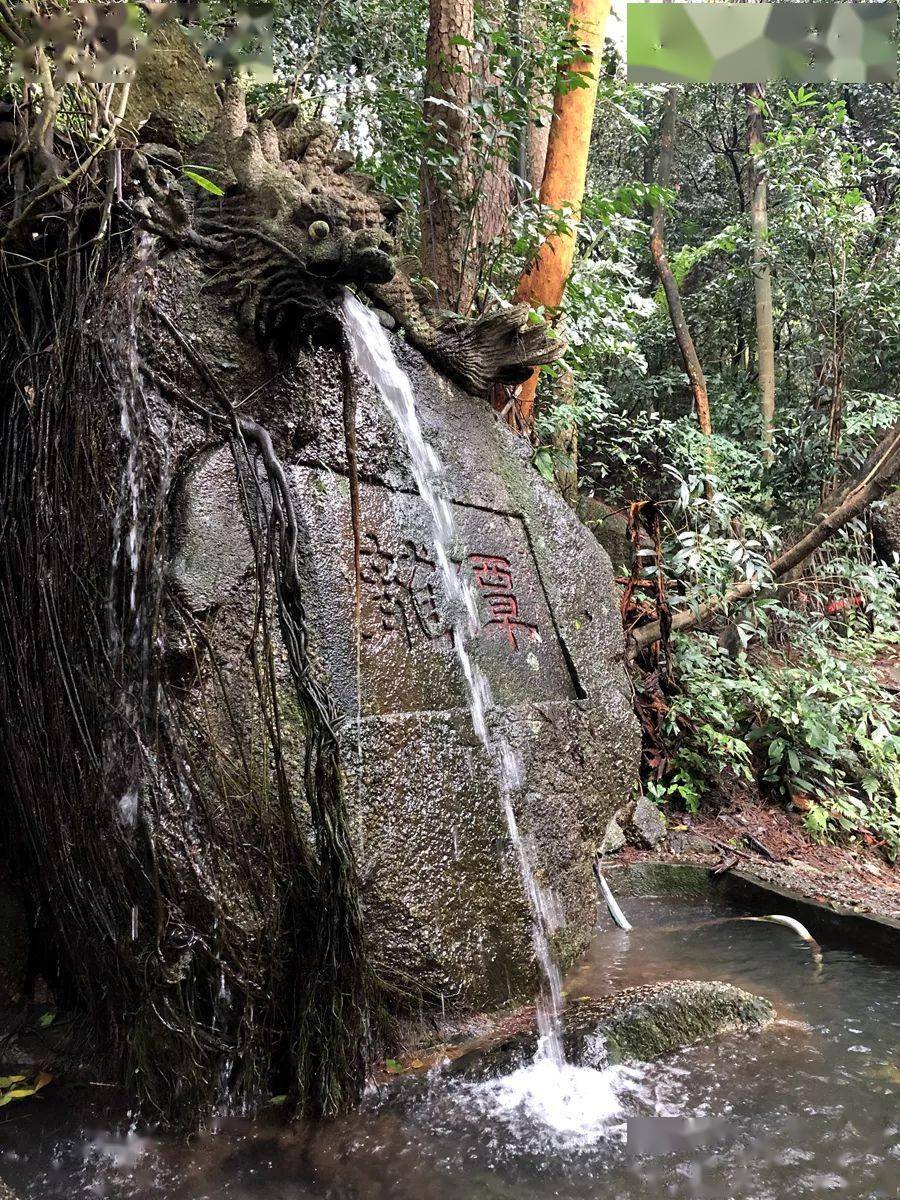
x: 493, y: 575
x: 504, y: 610
x: 492, y: 572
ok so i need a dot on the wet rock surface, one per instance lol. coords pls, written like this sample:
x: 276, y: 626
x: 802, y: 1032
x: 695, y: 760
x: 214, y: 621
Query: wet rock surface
x: 647, y: 1022
x: 444, y: 903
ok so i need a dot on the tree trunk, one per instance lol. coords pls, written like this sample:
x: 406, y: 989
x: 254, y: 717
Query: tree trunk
x: 492, y: 166
x: 689, y: 357
x: 466, y: 177
x: 538, y: 141
x: 836, y: 386
x: 520, y: 144
x: 876, y: 477
x: 532, y: 150
x: 565, y: 171
x: 762, y: 273
x: 449, y: 78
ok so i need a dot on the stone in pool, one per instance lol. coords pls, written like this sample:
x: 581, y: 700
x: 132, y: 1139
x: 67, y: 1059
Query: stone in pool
x: 638, y: 1024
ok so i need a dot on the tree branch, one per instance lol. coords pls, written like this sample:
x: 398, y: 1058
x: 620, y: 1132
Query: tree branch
x: 875, y: 478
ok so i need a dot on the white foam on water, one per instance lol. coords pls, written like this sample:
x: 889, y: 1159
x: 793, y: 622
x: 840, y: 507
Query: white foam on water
x: 575, y: 1105
x: 562, y: 1108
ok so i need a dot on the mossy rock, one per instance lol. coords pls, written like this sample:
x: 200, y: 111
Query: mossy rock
x: 636, y: 1025
x: 644, y: 1023
x: 658, y: 879
x: 610, y: 527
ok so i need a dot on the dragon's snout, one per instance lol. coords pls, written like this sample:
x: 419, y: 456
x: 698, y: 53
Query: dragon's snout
x: 362, y: 258
x: 371, y: 257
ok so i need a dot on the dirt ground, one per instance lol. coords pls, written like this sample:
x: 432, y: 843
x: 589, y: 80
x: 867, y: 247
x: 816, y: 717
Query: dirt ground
x: 771, y: 843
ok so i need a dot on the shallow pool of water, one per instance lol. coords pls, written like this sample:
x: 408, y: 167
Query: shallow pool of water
x: 808, y: 1108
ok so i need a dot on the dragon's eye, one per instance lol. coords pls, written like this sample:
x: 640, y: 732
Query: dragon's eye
x: 319, y: 230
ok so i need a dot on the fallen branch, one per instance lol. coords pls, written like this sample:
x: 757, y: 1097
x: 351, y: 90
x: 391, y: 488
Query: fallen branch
x: 874, y: 479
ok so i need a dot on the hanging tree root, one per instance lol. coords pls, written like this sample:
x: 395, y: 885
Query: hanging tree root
x: 332, y: 1022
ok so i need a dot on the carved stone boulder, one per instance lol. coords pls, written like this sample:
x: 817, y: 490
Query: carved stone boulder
x: 444, y: 905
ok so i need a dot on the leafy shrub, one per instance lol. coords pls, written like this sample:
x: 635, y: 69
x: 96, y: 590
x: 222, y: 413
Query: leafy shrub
x: 809, y: 722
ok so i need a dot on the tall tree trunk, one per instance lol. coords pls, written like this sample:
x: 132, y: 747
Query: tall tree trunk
x: 520, y: 145
x: 762, y: 273
x: 532, y: 149
x: 492, y: 167
x: 836, y: 405
x: 565, y: 170
x: 449, y: 74
x: 466, y: 179
x: 693, y: 369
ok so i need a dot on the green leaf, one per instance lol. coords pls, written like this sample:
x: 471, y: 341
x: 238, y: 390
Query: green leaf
x: 543, y: 461
x: 203, y: 182
x: 393, y: 1067
x: 46, y: 1020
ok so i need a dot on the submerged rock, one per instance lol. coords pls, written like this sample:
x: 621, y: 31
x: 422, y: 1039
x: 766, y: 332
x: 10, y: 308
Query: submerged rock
x: 638, y: 1024
x: 644, y: 1023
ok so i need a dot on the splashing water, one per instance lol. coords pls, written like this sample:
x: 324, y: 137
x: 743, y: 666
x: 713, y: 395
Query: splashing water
x: 567, y: 1107
x: 372, y: 352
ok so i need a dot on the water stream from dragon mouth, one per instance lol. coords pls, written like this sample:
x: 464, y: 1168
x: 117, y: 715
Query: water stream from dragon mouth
x: 374, y: 357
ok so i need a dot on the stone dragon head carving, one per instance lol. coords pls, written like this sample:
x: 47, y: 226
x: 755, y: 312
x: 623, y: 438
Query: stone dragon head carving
x: 294, y: 225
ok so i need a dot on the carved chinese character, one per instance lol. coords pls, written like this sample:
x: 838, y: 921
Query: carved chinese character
x: 492, y: 572
x: 404, y: 587
x: 494, y: 578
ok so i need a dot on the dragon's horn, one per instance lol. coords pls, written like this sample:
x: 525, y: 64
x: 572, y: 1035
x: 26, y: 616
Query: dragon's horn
x: 247, y: 159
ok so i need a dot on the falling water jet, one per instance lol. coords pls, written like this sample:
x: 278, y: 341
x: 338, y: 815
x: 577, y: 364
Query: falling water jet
x: 371, y: 351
